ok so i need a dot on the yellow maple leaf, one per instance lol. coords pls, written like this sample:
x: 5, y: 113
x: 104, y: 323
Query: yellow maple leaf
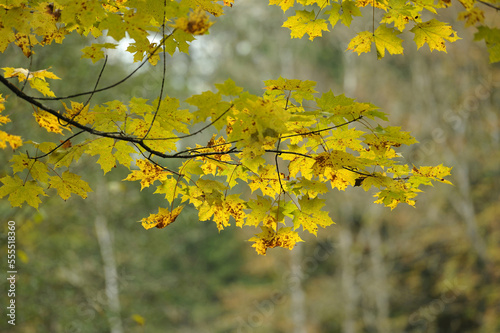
x: 434, y: 33
x: 49, y: 121
x: 148, y: 173
x: 342, y: 178
x: 268, y: 238
x: 79, y: 113
x: 13, y: 140
x: 305, y: 22
x: 36, y: 79
x: 284, y: 4
x: 384, y: 38
x: 362, y: 43
x: 162, y: 219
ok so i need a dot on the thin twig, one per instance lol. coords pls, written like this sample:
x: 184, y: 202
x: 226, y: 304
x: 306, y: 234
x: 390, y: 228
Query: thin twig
x: 112, y: 85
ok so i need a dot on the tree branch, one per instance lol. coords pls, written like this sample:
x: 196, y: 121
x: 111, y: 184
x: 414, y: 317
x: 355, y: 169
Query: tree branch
x: 112, y: 85
x: 489, y: 4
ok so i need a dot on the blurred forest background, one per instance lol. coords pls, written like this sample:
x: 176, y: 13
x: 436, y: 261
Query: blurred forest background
x: 89, y: 266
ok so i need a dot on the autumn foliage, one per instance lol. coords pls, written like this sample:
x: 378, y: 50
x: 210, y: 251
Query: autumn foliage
x: 289, y: 145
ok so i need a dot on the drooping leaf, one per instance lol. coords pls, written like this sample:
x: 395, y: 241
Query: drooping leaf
x: 434, y: 33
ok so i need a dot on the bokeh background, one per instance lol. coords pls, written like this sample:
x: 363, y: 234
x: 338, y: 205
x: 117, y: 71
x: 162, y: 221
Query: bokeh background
x: 89, y: 266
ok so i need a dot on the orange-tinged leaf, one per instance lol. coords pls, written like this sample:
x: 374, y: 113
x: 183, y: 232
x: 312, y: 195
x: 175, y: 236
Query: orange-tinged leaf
x: 13, y: 140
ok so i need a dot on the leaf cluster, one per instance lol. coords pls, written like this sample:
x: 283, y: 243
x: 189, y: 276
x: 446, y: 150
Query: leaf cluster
x: 289, y: 145
x: 313, y: 17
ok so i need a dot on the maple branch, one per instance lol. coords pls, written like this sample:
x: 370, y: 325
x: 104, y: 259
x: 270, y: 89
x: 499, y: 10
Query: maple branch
x: 95, y: 87
x: 112, y: 85
x: 164, y: 74
x: 32, y: 101
x: 489, y: 4
x: 322, y: 130
x: 58, y: 146
x: 141, y: 142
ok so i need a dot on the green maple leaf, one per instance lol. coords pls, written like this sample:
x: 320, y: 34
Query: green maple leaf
x: 334, y: 14
x: 377, y: 180
x: 20, y: 192
x: 209, y: 104
x: 305, y: 22
x: 37, y: 169
x: 179, y: 40
x: 122, y: 154
x: 95, y: 53
x: 168, y: 187
x: 103, y: 147
x: 69, y: 183
x: 492, y: 38
x: 434, y: 33
x: 311, y: 188
x: 260, y: 208
x: 229, y: 88
x: 349, y: 9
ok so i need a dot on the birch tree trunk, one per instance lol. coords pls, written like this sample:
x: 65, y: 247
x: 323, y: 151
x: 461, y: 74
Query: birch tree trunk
x: 108, y: 258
